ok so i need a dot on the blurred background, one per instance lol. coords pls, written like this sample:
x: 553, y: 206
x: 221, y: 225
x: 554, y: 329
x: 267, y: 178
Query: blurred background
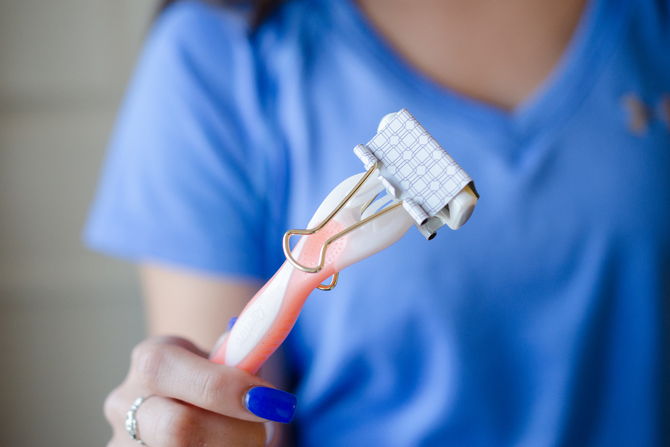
x: 68, y: 317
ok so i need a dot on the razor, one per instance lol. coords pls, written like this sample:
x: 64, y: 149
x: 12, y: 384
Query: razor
x: 410, y: 180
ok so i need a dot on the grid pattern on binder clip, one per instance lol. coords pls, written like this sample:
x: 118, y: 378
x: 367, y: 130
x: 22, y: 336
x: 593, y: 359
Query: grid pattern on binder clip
x: 417, y: 168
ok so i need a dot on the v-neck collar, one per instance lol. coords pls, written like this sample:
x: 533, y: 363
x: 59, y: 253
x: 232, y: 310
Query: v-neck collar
x: 555, y: 100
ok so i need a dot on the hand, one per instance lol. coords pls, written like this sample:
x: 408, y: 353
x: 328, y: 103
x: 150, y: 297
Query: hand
x: 194, y: 402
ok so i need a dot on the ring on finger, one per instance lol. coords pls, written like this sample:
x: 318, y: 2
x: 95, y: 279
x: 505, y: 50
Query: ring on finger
x: 131, y: 420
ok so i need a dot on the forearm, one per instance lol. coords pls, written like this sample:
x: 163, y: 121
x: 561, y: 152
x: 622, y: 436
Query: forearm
x: 191, y: 305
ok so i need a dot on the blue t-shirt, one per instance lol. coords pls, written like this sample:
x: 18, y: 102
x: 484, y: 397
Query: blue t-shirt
x: 542, y: 322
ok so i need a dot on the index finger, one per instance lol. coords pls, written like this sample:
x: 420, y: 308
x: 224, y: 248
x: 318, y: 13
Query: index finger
x: 173, y: 371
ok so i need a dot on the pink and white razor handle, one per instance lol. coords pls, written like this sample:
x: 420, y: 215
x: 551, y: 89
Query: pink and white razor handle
x: 360, y: 217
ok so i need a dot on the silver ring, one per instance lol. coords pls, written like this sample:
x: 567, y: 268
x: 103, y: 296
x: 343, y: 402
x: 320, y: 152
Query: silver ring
x: 131, y: 421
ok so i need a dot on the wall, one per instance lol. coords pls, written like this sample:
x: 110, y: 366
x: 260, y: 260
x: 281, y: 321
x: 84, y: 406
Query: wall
x: 67, y: 317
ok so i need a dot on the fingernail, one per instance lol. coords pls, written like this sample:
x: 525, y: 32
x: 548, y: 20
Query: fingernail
x: 270, y: 403
x: 231, y: 323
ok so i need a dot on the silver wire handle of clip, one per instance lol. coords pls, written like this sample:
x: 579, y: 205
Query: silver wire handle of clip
x: 335, y: 237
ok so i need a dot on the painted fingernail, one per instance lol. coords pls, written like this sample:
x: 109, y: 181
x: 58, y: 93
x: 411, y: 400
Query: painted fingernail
x: 231, y: 323
x: 270, y: 403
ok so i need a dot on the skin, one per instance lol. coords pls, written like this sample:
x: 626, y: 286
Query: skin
x: 495, y: 52
x: 198, y: 402
x: 177, y: 302
x: 498, y: 52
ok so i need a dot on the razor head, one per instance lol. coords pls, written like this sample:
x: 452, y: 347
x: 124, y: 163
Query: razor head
x: 415, y: 169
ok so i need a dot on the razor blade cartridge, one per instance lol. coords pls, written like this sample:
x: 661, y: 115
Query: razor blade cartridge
x: 415, y: 169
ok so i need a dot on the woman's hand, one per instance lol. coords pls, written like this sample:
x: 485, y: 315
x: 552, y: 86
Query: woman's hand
x: 194, y: 402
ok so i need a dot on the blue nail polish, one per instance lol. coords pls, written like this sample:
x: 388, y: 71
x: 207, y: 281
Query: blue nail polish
x: 231, y: 323
x: 270, y: 403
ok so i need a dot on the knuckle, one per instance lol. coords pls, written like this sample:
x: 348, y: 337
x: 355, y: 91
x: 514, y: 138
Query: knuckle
x: 147, y: 362
x: 211, y: 387
x: 111, y: 406
x: 180, y: 425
